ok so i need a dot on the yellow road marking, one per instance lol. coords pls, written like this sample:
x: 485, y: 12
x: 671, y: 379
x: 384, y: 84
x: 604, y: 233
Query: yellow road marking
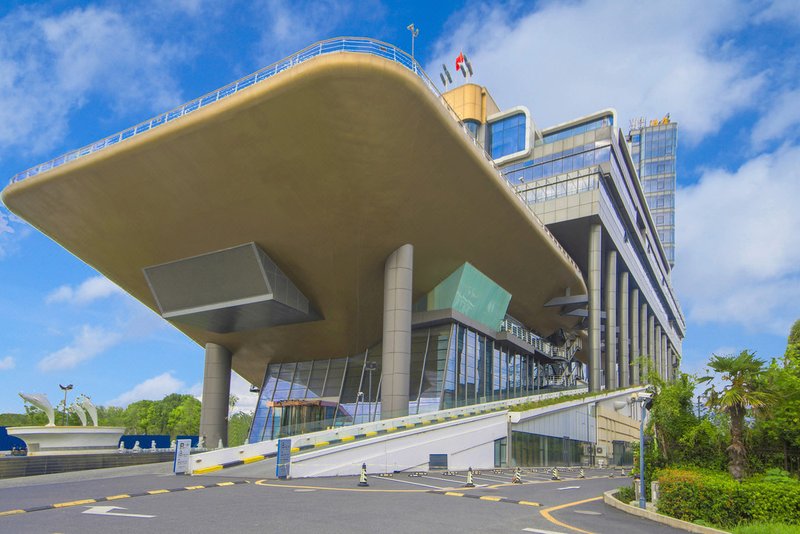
x: 190, y: 488
x: 491, y: 498
x: 426, y: 422
x: 348, y: 438
x: 253, y: 459
x: 371, y: 433
x: 453, y: 494
x: 158, y: 492
x: 263, y: 482
x: 210, y: 469
x: 12, y: 512
x: 73, y: 503
x: 321, y: 444
x: 225, y: 484
x: 410, y: 425
x: 117, y: 497
x: 546, y: 514
x: 295, y: 449
x: 391, y: 429
x: 529, y: 503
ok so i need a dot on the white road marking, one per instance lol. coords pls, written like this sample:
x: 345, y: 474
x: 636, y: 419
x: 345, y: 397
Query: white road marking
x: 450, y: 480
x: 304, y: 490
x: 413, y: 483
x: 106, y: 510
x: 569, y: 487
x: 540, y: 531
x: 587, y: 512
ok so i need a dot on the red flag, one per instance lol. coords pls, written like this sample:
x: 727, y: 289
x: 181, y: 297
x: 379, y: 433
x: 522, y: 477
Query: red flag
x: 459, y: 61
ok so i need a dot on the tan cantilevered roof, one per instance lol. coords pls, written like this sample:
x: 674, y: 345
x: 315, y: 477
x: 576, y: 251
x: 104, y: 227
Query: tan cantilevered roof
x: 328, y: 167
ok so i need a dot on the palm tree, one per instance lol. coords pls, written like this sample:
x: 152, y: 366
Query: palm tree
x: 744, y: 389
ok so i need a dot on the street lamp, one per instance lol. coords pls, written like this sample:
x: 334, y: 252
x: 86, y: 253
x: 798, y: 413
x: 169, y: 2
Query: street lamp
x: 414, y: 33
x: 700, y: 400
x: 65, y: 389
x: 647, y: 402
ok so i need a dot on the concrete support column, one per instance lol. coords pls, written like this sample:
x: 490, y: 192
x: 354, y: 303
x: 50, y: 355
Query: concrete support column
x: 643, y: 342
x: 611, y: 320
x: 624, y: 362
x: 635, y: 349
x: 651, y: 342
x: 659, y: 356
x: 216, y: 395
x: 665, y: 362
x: 396, y: 357
x: 594, y: 274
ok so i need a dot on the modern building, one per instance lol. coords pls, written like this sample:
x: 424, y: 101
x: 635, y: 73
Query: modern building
x: 332, y: 228
x: 654, y: 150
x: 581, y: 181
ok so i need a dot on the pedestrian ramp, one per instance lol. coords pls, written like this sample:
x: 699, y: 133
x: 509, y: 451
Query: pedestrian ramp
x: 465, y: 435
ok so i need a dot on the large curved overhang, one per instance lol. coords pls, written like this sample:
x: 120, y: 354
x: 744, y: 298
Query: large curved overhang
x: 328, y: 167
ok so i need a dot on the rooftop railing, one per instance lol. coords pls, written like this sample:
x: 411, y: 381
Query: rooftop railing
x: 356, y: 45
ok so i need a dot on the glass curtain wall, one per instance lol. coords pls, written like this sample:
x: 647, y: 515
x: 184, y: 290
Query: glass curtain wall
x: 543, y: 451
x: 451, y: 366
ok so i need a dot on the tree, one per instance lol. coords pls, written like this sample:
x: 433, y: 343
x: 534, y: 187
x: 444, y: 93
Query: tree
x: 184, y: 419
x: 745, y: 389
x: 672, y: 417
x: 791, y: 357
x: 238, y: 428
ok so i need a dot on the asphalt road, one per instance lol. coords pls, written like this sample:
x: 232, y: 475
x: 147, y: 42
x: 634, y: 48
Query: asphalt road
x: 397, y: 504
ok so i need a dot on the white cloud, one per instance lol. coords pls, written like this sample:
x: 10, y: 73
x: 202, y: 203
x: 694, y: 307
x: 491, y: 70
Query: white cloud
x: 241, y: 389
x: 780, y: 11
x: 739, y: 258
x: 68, y: 58
x: 87, y: 344
x: 94, y: 288
x: 781, y: 118
x: 7, y: 363
x: 155, y: 388
x: 568, y: 59
x: 289, y: 26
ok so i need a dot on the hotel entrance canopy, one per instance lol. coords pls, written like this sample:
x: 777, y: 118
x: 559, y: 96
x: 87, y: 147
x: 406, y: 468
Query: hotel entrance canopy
x: 339, y: 156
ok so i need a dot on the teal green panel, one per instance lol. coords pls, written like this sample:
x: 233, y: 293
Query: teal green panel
x: 469, y: 291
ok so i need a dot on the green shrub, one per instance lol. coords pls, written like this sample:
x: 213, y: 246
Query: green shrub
x: 767, y: 528
x: 626, y: 494
x: 715, y: 498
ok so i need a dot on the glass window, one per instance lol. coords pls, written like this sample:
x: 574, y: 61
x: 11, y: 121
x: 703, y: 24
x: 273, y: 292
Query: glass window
x: 507, y: 135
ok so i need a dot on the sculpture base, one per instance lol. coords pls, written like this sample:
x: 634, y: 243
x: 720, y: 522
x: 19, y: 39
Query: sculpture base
x: 42, y: 440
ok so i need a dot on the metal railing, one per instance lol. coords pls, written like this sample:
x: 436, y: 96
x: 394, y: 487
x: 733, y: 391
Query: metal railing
x: 540, y: 344
x: 356, y: 45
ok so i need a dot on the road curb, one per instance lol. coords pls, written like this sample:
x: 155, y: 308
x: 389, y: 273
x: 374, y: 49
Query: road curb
x: 611, y: 500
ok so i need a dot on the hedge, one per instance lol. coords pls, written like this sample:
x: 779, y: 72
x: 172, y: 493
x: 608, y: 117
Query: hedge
x: 716, y: 498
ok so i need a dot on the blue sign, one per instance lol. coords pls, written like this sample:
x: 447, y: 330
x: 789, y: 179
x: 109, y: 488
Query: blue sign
x: 284, y: 458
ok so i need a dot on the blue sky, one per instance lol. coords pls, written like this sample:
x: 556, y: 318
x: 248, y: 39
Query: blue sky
x: 727, y: 71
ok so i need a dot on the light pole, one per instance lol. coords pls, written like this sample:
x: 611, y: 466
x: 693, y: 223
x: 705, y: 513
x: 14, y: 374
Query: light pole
x: 65, y: 389
x: 700, y: 398
x: 414, y: 33
x: 646, y: 403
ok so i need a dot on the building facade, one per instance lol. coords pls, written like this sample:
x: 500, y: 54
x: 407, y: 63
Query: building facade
x: 654, y: 151
x: 581, y: 180
x: 314, y: 244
